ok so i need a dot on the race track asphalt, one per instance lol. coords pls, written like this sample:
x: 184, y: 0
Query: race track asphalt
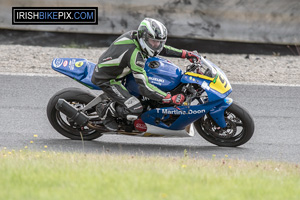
x: 275, y: 109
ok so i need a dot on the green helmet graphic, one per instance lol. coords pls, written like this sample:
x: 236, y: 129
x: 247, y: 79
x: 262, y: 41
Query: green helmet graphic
x: 152, y: 36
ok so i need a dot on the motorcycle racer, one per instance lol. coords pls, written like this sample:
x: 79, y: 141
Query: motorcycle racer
x: 126, y: 55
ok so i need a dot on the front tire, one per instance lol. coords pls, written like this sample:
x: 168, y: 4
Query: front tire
x: 239, y: 130
x: 78, y: 98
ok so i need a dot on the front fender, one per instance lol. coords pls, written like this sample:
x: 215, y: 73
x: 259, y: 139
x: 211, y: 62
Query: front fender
x: 217, y: 113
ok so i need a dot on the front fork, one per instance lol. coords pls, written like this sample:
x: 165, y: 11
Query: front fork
x: 217, y: 113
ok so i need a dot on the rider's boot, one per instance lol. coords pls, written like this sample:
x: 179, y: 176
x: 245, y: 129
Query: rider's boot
x: 107, y: 113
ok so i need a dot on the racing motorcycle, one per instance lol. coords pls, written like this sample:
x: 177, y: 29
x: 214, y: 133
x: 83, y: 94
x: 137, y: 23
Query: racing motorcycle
x: 207, y: 108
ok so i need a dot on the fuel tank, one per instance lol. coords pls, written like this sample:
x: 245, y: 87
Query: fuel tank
x: 161, y: 73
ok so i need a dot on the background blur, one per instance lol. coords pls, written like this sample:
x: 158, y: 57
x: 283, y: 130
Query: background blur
x: 232, y: 25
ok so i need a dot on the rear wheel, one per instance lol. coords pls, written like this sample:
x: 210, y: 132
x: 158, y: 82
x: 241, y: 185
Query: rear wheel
x: 239, y: 129
x: 65, y: 126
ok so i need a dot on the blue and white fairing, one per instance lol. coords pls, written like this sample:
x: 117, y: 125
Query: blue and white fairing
x: 217, y: 88
x: 76, y: 68
x: 166, y: 76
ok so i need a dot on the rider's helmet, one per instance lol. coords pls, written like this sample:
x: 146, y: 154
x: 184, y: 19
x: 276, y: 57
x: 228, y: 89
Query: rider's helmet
x: 152, y: 36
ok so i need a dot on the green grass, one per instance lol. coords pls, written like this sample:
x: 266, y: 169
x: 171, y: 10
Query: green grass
x: 51, y: 175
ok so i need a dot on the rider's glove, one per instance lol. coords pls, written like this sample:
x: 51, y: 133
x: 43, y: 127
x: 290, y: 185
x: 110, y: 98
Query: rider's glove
x: 191, y: 56
x: 177, y: 99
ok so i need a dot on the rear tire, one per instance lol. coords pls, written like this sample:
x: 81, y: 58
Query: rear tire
x: 78, y: 98
x: 239, y: 130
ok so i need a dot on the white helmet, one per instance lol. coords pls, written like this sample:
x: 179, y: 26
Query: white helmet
x: 152, y: 36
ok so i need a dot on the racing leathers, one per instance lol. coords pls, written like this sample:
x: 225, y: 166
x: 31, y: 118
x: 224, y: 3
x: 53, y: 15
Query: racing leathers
x: 125, y: 56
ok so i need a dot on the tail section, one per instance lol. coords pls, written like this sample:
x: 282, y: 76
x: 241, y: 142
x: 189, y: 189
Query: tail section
x: 76, y: 68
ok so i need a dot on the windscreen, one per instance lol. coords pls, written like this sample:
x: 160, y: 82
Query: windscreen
x: 207, y: 69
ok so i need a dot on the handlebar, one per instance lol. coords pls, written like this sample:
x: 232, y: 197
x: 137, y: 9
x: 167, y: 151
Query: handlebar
x: 195, y: 60
x: 193, y: 66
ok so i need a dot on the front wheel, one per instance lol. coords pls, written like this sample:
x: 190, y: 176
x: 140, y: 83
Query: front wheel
x: 239, y: 129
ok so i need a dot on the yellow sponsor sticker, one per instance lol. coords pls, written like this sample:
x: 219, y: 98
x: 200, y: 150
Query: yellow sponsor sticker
x: 79, y: 64
x: 221, y: 85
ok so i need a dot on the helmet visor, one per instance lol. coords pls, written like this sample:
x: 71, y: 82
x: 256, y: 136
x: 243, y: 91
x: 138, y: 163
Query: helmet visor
x: 155, y: 44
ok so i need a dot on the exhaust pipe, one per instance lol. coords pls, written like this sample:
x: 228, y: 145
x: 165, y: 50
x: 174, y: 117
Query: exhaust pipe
x: 71, y: 112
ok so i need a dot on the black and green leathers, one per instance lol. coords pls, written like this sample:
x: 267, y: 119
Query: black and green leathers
x: 124, y: 56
